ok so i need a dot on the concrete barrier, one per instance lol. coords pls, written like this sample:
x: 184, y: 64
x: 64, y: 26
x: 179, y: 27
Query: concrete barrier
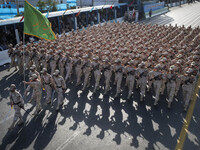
x: 4, y: 57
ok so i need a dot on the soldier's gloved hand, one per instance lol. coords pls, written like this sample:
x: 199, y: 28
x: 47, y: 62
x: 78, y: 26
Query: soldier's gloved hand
x: 21, y: 106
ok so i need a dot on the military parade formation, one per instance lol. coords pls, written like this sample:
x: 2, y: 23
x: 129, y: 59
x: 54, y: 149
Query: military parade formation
x: 150, y: 58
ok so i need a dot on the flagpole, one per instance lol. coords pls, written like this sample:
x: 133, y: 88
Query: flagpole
x: 24, y: 59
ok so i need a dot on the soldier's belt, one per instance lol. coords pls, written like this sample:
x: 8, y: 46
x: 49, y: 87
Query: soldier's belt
x: 157, y: 79
x: 16, y: 103
x: 130, y: 73
x: 119, y: 71
x: 59, y: 86
x: 46, y: 83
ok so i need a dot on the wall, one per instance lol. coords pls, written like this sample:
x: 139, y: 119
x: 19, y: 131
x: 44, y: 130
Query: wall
x: 96, y: 2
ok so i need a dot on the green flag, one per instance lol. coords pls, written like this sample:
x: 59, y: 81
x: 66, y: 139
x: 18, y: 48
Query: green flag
x: 36, y: 24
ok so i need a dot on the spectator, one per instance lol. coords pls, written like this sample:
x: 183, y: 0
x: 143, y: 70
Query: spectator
x: 150, y: 13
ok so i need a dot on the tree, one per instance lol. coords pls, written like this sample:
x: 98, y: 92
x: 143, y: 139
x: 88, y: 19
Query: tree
x: 41, y: 5
x: 54, y: 8
x: 17, y: 7
x: 51, y: 5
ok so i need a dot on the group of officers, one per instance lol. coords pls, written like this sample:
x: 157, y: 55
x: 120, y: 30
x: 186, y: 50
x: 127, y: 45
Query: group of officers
x: 149, y: 57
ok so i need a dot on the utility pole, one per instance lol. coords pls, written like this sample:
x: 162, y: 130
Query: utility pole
x: 17, y: 7
x: 81, y: 3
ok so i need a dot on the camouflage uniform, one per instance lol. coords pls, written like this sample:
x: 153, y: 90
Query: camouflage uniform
x: 60, y: 87
x: 18, y: 102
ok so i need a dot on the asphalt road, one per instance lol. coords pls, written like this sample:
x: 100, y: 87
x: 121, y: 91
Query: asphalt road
x: 89, y: 122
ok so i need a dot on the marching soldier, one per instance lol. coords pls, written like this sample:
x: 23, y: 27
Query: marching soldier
x: 53, y: 61
x: 130, y: 78
x: 150, y: 80
x: 42, y: 59
x: 79, y: 72
x: 61, y: 64
x: 171, y: 85
x: 157, y: 81
x: 19, y: 57
x: 143, y: 84
x: 107, y: 73
x: 34, y: 58
x: 139, y: 71
x: 11, y: 54
x: 27, y: 59
x: 188, y: 87
x: 37, y: 91
x: 18, y: 102
x: 48, y: 84
x: 33, y: 71
x: 60, y: 87
x: 69, y: 66
x: 86, y: 68
x: 97, y: 72
x: 118, y: 69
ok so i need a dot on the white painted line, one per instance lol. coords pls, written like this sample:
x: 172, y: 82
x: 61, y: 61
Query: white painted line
x: 62, y: 147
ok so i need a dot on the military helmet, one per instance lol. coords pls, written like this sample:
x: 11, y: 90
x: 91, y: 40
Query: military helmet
x: 12, y: 86
x: 34, y: 76
x: 44, y: 70
x: 56, y: 72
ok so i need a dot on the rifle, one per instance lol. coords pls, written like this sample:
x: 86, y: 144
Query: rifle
x: 158, y: 77
x: 130, y: 72
x: 173, y: 77
x: 78, y: 62
x: 34, y: 55
x: 84, y: 65
x: 190, y: 80
x: 51, y: 58
x: 96, y: 67
x: 107, y: 68
x: 22, y: 107
x: 42, y: 57
x: 119, y: 70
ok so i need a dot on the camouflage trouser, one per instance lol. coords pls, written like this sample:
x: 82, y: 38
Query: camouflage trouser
x: 53, y: 67
x: 48, y: 90
x: 86, y: 79
x: 187, y: 95
x: 12, y: 63
x: 60, y: 96
x: 37, y: 95
x: 68, y: 74
x: 17, y: 113
x: 130, y: 81
x: 78, y: 75
x: 97, y: 76
x: 118, y: 81
x: 157, y: 88
x: 150, y: 82
x: 142, y: 88
x: 107, y: 75
x: 171, y: 91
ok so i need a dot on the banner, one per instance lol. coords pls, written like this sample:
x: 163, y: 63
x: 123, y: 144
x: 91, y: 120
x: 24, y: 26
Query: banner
x: 36, y: 24
x: 154, y: 6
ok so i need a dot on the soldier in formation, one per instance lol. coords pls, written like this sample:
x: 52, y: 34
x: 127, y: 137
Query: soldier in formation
x: 17, y: 101
x: 151, y: 57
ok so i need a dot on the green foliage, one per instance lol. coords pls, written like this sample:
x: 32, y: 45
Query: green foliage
x: 51, y: 5
x: 54, y: 8
x: 73, y: 7
x: 41, y: 5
